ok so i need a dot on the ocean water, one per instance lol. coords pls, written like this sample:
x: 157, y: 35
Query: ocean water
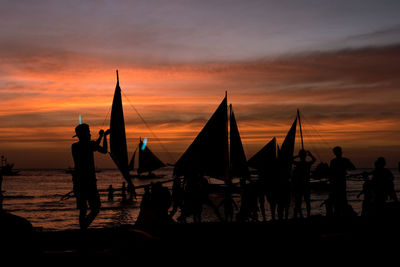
x: 36, y: 196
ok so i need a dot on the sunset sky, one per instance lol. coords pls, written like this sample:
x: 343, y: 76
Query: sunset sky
x: 337, y: 61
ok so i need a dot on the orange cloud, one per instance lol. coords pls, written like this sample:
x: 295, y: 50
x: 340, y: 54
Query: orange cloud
x: 347, y: 97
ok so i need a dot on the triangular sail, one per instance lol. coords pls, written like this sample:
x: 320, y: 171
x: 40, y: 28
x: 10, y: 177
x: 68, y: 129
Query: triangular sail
x: 118, y: 148
x: 208, y: 154
x: 132, y: 162
x: 285, y: 155
x: 147, y: 160
x: 238, y: 163
x: 265, y: 159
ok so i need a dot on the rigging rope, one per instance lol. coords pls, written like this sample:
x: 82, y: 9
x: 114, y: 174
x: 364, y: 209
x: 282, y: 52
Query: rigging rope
x: 148, y: 127
x: 318, y: 135
x: 109, y: 109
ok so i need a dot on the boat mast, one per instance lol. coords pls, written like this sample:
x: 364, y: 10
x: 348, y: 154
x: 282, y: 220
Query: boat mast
x: 301, y: 131
x: 229, y: 142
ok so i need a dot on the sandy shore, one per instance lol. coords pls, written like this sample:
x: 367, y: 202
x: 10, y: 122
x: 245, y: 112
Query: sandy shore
x: 317, y: 236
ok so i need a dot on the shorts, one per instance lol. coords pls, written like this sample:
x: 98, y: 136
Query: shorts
x: 87, y: 198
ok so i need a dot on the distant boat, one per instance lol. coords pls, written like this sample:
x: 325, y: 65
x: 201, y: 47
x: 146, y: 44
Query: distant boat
x: 7, y: 168
x: 272, y: 162
x: 209, y: 154
x: 147, y: 162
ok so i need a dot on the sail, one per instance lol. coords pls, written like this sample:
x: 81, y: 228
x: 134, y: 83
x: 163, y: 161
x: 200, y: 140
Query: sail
x: 265, y: 159
x: 285, y: 155
x: 238, y: 163
x: 208, y: 154
x: 132, y: 162
x: 147, y: 160
x: 118, y: 148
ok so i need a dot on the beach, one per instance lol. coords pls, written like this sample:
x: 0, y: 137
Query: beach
x: 36, y: 196
x: 294, y: 241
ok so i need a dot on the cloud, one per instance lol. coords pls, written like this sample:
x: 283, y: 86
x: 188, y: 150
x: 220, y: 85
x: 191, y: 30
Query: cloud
x: 349, y: 96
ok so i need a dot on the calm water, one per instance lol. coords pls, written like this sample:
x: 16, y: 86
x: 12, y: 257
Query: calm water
x: 35, y: 195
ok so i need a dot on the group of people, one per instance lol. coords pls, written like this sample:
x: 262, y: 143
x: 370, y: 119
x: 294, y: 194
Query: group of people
x: 124, y: 196
x: 278, y: 188
x: 190, y: 196
x: 377, y: 190
x: 154, y: 207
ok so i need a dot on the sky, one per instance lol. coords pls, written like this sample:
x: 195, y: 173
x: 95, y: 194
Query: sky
x: 337, y: 61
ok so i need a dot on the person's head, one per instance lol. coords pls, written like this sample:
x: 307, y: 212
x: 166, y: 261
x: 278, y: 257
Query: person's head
x: 380, y: 163
x: 83, y: 132
x: 337, y: 151
x: 302, y: 154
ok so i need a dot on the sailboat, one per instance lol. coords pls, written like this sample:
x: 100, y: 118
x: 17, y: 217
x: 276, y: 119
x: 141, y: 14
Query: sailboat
x: 274, y: 167
x: 210, y: 153
x: 118, y: 146
x: 147, y: 161
x: 7, y: 168
x: 271, y: 157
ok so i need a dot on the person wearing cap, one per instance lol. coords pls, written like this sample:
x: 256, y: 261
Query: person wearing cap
x: 84, y: 175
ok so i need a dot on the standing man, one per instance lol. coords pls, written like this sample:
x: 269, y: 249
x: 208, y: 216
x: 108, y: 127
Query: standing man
x: 338, y: 171
x: 1, y: 192
x: 301, y: 182
x: 382, y: 186
x: 84, y: 175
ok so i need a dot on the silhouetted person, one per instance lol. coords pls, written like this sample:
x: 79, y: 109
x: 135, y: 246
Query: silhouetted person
x: 132, y: 192
x: 110, y: 193
x: 146, y: 215
x: 196, y: 194
x: 301, y: 182
x: 283, y: 194
x: 367, y: 191
x: 177, y: 196
x: 1, y: 192
x: 338, y: 171
x: 187, y: 208
x: 153, y: 215
x: 84, y: 175
x: 205, y: 197
x: 244, y: 212
x: 198, y: 198
x: 383, y: 187
x: 123, y: 192
x: 146, y: 199
x: 229, y: 203
x: 261, y: 194
x: 328, y: 206
x: 249, y: 202
x: 161, y: 200
x: 269, y: 183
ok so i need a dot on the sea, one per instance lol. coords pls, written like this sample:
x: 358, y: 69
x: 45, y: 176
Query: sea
x: 37, y: 196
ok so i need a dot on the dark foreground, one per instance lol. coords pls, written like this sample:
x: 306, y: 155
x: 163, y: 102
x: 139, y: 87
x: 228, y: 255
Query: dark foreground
x: 292, y: 240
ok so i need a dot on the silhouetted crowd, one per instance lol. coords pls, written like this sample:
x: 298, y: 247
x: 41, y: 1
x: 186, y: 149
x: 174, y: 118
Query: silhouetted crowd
x: 192, y: 193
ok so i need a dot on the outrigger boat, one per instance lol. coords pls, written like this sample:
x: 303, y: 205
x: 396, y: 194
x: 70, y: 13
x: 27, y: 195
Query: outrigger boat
x: 147, y: 162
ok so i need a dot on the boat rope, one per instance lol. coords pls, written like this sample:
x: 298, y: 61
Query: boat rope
x: 148, y: 126
x: 319, y: 141
x: 318, y: 134
x: 109, y: 109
